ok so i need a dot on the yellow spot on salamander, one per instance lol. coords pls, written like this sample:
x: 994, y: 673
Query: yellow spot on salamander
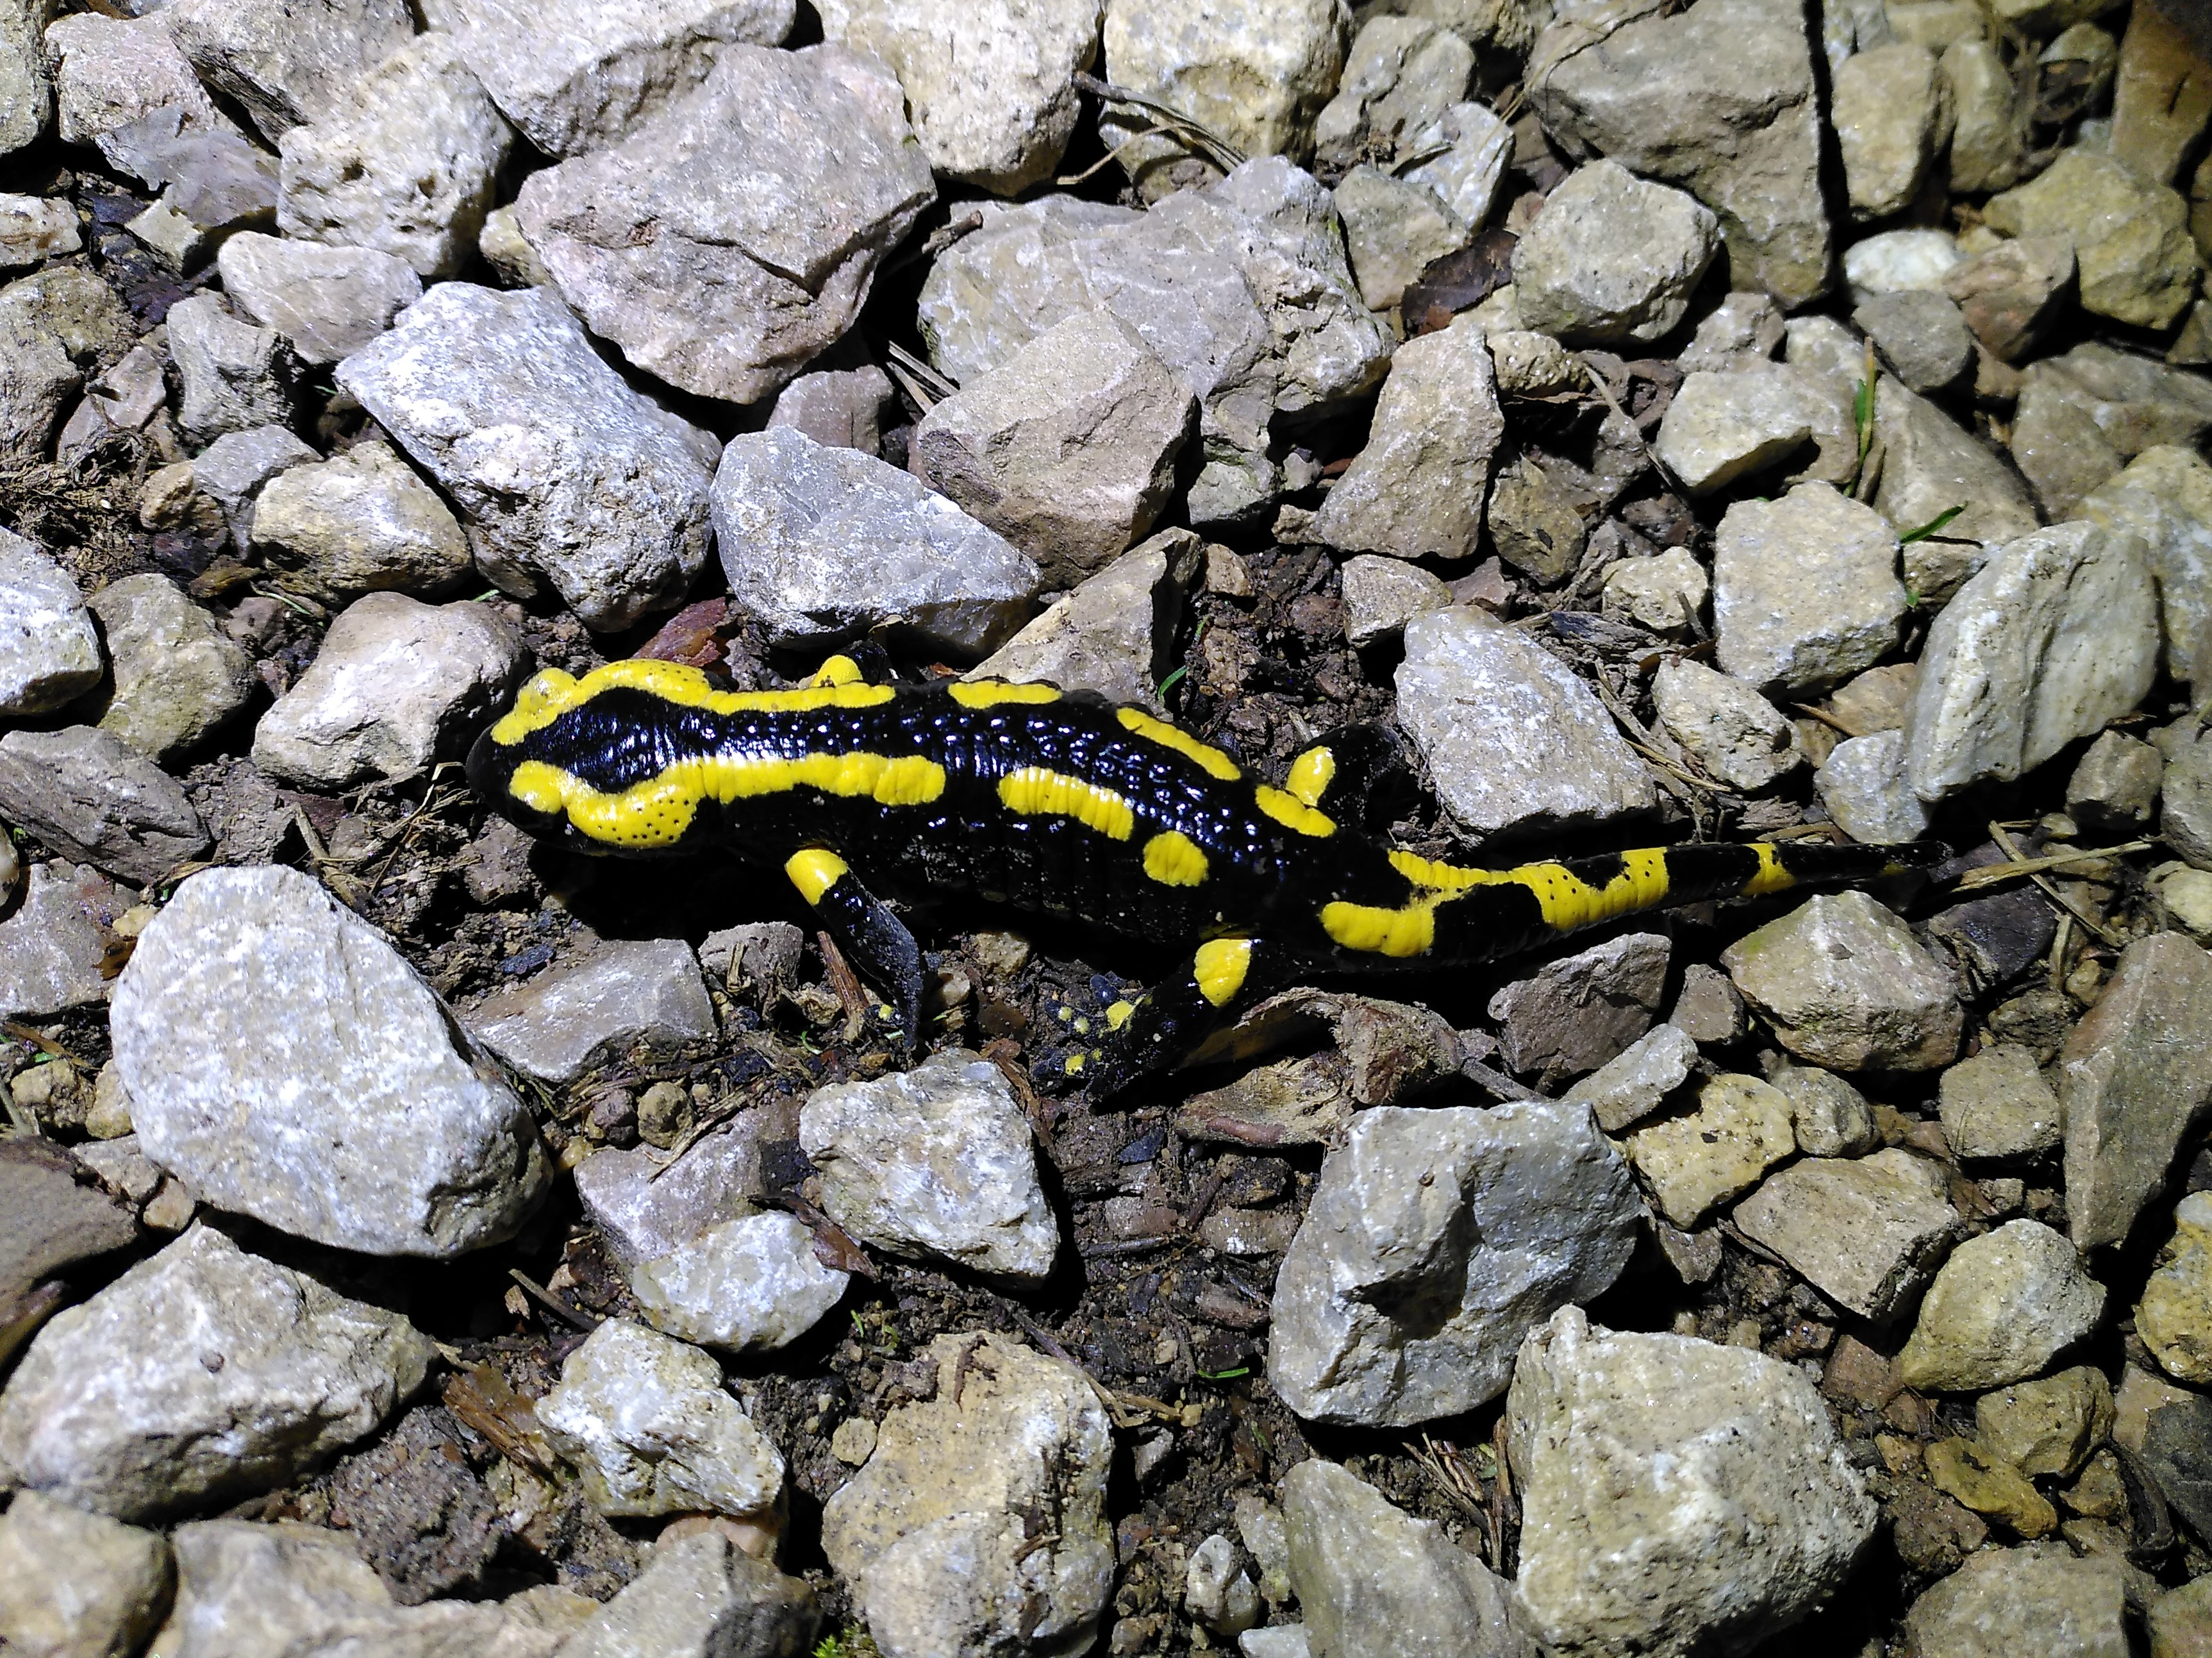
x: 837, y: 670
x: 553, y: 693
x: 1212, y: 760
x: 658, y: 810
x: 1311, y: 773
x: 1118, y: 1014
x: 989, y: 693
x: 1036, y: 792
x: 1220, y: 966
x: 1074, y: 1066
x: 1174, y: 859
x: 1771, y: 876
x: 1293, y: 813
x: 814, y: 872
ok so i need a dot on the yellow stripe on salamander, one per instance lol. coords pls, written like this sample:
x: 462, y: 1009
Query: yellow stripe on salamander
x: 815, y: 871
x: 1293, y: 813
x: 658, y: 810
x: 1036, y: 792
x: 1563, y: 898
x: 552, y: 693
x: 1216, y: 764
x: 990, y: 693
x: 1311, y: 773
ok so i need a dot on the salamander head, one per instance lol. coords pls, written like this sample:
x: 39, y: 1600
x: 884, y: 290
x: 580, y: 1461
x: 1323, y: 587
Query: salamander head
x: 502, y: 747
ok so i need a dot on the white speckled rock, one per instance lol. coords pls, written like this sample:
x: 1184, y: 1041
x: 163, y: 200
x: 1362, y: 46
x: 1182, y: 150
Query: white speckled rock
x: 1741, y: 1127
x: 748, y: 1285
x: 88, y: 795
x: 1724, y: 426
x: 1885, y: 109
x: 1436, y: 1239
x: 1724, y: 725
x: 1612, y: 258
x: 2057, y: 635
x: 559, y: 468
x: 361, y: 523
x: 2004, y: 1305
x: 51, y: 948
x: 396, y: 684
x: 935, y: 1162
x: 234, y: 376
x: 49, y: 654
x: 929, y: 1535
x: 109, y: 72
x: 178, y: 676
x: 648, y: 1425
x: 1670, y: 1488
x: 700, y: 1596
x: 285, y: 1063
x: 581, y: 78
x: 991, y: 92
x: 80, y: 1585
x: 1117, y: 633
x: 203, y: 1375
x: 286, y: 61
x: 1546, y: 750
x: 626, y: 991
x: 1866, y: 1231
x: 406, y: 163
x: 1864, y: 788
x: 1845, y: 984
x: 1805, y: 590
x: 2165, y: 496
x: 821, y: 544
x: 1931, y: 464
x: 732, y: 237
x: 2130, y: 234
x: 327, y: 302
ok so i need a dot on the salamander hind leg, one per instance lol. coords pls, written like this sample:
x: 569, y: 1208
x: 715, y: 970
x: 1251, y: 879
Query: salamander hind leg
x: 1140, y: 1036
x: 866, y: 930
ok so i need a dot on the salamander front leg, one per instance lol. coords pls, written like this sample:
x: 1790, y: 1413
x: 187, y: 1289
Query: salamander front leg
x: 866, y: 930
x: 1154, y: 1031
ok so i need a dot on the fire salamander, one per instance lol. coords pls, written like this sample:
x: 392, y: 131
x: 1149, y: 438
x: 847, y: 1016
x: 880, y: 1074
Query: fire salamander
x: 1066, y: 803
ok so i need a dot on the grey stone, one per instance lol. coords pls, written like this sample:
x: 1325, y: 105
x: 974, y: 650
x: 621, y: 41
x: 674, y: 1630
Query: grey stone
x: 1573, y: 1014
x: 1716, y: 1469
x: 1805, y: 591
x: 2114, y: 787
x: 1707, y: 1008
x: 80, y: 1585
x: 1477, y: 149
x: 1995, y: 1106
x: 285, y: 1063
x: 1845, y: 984
x: 1744, y: 329
x: 1116, y: 634
x: 2158, y: 101
x: 1393, y: 229
x: 839, y: 407
x: 1373, y: 1580
x: 749, y: 1285
x: 2057, y: 635
x: 35, y: 228
x: 1866, y: 1232
x: 2170, y: 1316
x: 508, y: 252
x: 1068, y: 448
x: 936, y: 1163
x: 1630, y: 1086
x: 757, y: 958
x: 998, y: 119
x: 1931, y: 464
x: 1530, y: 364
x: 109, y: 72
x: 1381, y: 596
x: 214, y: 185
x: 1664, y: 594
x: 625, y: 992
x: 1721, y: 427
x: 1989, y: 149
x: 2002, y: 1308
x: 646, y: 1423
x: 327, y: 302
x: 646, y: 1206
x: 2081, y: 415
x: 1276, y: 1641
x: 234, y: 376
x: 405, y: 162
x: 52, y: 1222
x: 2033, y: 1602
x: 821, y: 544
x: 1729, y: 728
x: 2012, y: 294
x: 361, y: 522
x: 584, y: 79
x: 203, y: 1373
x: 231, y: 472
x: 49, y: 654
x: 1922, y: 336
x: 26, y: 92
x: 929, y: 1535
x: 1884, y: 105
x: 396, y: 684
x: 1545, y: 751
x: 2135, y: 1081
x: 1416, y: 489
x: 2165, y: 496
x: 702, y: 1596
x: 2130, y: 234
x: 1216, y: 1590
x: 1436, y: 1239
x: 51, y: 948
x: 178, y: 678
x: 2047, y: 1427
x: 1612, y: 258
x: 1535, y: 522
x: 283, y: 61
x: 559, y: 469
x: 729, y: 295
x: 87, y: 795
x: 2184, y: 822
x: 1739, y: 1128
x: 82, y: 314
x: 1829, y: 1117
x: 1719, y: 100
x: 1260, y: 80
x: 1399, y: 77
x: 1864, y: 787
